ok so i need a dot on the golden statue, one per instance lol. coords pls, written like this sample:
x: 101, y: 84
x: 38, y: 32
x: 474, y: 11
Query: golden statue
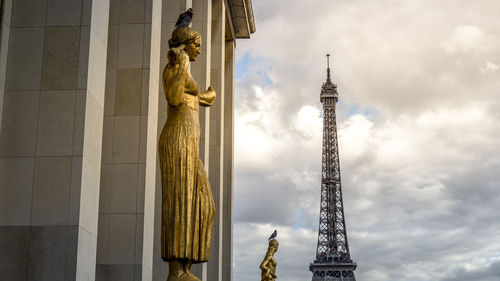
x: 188, y: 208
x: 268, y: 265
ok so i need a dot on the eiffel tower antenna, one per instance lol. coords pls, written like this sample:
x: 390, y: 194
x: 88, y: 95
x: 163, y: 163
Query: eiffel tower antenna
x: 328, y: 68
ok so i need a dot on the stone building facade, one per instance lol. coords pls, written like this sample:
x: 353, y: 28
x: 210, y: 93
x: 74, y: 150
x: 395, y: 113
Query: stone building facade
x: 81, y: 109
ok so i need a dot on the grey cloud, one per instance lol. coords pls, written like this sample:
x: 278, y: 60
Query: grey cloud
x: 262, y: 200
x: 420, y: 176
x: 487, y: 273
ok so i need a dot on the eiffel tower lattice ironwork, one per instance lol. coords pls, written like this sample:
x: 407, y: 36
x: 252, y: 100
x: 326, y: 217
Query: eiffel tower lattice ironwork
x: 333, y: 261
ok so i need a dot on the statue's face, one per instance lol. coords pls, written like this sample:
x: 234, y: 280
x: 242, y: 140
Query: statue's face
x: 193, y: 49
x: 273, y: 248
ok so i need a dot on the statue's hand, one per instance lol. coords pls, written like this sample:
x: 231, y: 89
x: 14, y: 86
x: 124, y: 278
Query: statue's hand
x: 183, y: 58
x: 177, y: 55
x: 207, y: 97
x: 210, y: 90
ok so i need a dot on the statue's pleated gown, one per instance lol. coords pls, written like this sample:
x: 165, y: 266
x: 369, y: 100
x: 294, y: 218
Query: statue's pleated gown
x: 188, y: 207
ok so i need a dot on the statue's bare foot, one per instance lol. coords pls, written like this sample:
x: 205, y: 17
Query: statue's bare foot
x: 175, y: 271
x: 176, y: 277
x: 192, y: 277
x: 182, y: 277
x: 173, y: 278
x: 186, y: 277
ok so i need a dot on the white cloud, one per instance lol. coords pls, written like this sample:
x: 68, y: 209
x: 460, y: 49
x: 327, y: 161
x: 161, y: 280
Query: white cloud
x: 489, y: 67
x: 464, y: 38
x: 308, y: 121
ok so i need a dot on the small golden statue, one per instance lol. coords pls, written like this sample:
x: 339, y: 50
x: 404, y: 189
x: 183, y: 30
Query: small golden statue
x: 187, y: 205
x: 268, y: 265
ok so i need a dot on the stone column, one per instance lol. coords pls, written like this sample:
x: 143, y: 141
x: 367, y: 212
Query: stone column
x: 50, y: 141
x: 150, y: 244
x: 92, y: 139
x: 216, y: 132
x: 121, y: 205
x: 5, y: 14
x: 228, y: 179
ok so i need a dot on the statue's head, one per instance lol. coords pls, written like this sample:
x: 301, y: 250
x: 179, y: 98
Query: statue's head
x: 189, y: 38
x: 273, y: 245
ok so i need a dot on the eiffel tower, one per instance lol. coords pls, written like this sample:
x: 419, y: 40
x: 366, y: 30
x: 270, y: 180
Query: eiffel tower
x: 333, y: 261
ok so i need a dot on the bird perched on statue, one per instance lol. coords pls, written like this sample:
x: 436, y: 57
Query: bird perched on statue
x: 275, y: 233
x: 185, y: 18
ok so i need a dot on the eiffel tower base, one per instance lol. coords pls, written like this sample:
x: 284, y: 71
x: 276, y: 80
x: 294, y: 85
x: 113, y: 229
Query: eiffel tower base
x: 333, y: 271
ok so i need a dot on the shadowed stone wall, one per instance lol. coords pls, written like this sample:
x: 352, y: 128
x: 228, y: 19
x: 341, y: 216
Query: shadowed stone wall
x: 48, y: 166
x: 81, y: 109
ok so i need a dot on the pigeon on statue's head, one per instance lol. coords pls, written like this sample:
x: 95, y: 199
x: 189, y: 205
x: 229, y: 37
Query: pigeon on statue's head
x: 185, y: 18
x: 275, y: 233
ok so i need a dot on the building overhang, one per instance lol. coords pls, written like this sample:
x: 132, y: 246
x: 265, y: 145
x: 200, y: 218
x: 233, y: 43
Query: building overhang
x: 241, y: 19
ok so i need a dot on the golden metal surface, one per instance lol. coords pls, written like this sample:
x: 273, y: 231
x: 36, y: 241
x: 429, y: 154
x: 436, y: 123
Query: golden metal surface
x: 187, y: 203
x: 268, y: 265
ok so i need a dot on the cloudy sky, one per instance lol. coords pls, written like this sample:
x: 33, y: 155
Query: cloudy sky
x: 419, y: 134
